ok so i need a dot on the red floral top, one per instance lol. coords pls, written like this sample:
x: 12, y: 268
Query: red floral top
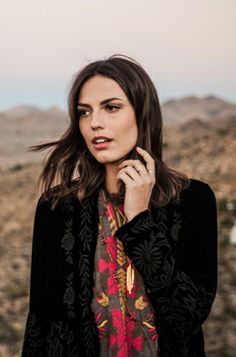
x: 123, y: 313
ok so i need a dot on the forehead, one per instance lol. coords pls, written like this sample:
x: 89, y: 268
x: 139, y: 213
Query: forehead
x: 100, y: 88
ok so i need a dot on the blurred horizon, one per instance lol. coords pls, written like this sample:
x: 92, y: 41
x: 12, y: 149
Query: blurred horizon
x: 64, y: 108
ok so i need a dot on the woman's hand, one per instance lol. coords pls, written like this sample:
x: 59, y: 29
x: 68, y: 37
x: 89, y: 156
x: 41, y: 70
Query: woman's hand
x: 139, y: 181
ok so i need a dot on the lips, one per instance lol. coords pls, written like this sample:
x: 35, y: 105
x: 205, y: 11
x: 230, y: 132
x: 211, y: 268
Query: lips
x: 101, y: 145
x: 100, y: 137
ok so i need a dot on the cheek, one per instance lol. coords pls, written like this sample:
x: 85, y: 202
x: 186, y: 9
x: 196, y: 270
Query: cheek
x: 131, y: 128
x: 83, y: 130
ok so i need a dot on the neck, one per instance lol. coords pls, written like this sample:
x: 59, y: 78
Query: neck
x: 112, y: 183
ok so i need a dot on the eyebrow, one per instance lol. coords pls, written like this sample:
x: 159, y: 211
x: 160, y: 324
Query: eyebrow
x: 103, y: 102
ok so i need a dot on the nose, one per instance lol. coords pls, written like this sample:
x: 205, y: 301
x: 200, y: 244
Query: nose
x: 96, y: 120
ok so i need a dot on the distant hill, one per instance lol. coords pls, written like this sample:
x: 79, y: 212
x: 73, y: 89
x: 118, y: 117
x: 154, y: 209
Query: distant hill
x: 23, y: 126
x: 208, y: 108
x: 27, y: 111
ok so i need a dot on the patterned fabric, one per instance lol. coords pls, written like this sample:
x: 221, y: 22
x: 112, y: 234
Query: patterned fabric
x: 119, y: 292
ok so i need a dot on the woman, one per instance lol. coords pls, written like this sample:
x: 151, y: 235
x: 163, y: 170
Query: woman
x: 124, y: 254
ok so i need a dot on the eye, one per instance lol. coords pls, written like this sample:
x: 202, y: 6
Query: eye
x: 82, y: 113
x: 112, y: 108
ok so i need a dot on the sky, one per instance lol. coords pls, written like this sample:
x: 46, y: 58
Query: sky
x: 187, y: 47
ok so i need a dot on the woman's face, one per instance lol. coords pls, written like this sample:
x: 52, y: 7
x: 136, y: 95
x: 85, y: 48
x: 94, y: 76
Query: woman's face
x: 104, y: 110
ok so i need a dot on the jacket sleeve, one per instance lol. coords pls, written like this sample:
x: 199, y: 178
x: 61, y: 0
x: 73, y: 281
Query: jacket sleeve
x: 181, y: 284
x: 34, y: 336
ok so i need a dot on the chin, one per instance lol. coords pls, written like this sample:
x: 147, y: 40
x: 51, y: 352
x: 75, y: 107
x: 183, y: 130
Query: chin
x: 109, y: 160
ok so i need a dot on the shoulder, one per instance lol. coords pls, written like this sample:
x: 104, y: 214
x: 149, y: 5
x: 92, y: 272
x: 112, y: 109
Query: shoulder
x: 63, y: 199
x: 198, y: 187
x: 55, y: 200
x: 198, y: 194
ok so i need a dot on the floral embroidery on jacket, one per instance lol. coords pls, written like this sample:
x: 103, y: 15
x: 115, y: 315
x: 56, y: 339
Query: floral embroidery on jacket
x: 67, y: 243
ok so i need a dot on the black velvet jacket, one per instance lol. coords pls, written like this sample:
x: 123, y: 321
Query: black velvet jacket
x: 174, y: 248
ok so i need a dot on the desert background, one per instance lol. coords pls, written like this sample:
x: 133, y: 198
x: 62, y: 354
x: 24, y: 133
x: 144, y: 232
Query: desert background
x: 188, y: 48
x: 199, y: 138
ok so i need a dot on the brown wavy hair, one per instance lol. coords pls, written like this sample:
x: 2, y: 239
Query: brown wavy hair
x: 70, y: 163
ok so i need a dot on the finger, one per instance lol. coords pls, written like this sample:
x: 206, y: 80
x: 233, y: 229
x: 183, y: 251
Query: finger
x: 149, y: 160
x: 136, y: 164
x: 129, y: 162
x: 129, y: 170
x: 125, y: 178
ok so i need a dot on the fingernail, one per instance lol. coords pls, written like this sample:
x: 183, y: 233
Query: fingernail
x: 138, y: 147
